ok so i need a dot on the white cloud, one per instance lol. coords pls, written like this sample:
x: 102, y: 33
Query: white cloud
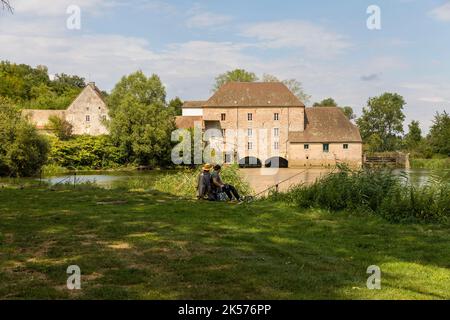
x: 314, y: 39
x: 57, y: 8
x: 441, y: 13
x: 207, y: 19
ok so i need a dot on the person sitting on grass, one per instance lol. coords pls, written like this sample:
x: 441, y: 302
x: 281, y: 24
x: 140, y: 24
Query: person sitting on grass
x: 204, y: 185
x: 229, y: 190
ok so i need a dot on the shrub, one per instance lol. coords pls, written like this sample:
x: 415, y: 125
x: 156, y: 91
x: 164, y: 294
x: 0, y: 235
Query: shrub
x: 85, y: 152
x: 184, y: 183
x: 23, y: 151
x: 374, y: 191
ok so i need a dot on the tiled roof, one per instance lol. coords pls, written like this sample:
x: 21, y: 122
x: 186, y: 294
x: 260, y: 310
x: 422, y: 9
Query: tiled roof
x: 193, y: 104
x: 187, y: 122
x: 254, y: 94
x: 326, y: 124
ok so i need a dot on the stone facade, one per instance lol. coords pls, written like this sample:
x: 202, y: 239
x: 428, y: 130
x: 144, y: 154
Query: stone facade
x: 87, y: 113
x: 266, y: 121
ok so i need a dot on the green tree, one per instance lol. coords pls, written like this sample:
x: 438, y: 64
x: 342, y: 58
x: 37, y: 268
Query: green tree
x: 414, y: 135
x: 348, y: 111
x: 63, y: 83
x: 383, y: 116
x: 175, y: 106
x: 145, y: 90
x: 237, y: 75
x: 23, y: 151
x: 60, y: 127
x: 293, y: 85
x: 439, y: 136
x: 329, y: 102
x: 141, y: 124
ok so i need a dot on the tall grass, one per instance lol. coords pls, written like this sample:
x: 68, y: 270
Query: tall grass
x: 430, y: 163
x: 184, y: 183
x: 374, y: 191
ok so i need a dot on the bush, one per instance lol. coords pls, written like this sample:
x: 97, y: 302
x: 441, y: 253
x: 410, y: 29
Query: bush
x: 184, y: 183
x: 373, y: 191
x: 85, y: 153
x: 23, y: 151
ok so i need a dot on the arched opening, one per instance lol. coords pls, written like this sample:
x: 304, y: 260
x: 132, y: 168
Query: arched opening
x: 250, y: 162
x: 276, y: 162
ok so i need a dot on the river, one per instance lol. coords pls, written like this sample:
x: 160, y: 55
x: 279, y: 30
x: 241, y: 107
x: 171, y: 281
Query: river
x: 259, y: 179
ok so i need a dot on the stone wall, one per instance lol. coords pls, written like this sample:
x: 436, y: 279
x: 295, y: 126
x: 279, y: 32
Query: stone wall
x: 316, y: 157
x: 87, y: 113
x: 263, y: 125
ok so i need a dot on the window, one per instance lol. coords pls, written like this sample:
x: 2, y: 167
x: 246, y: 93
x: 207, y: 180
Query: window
x: 345, y: 146
x: 276, y: 132
x: 250, y: 145
x: 306, y: 146
x: 223, y: 116
x: 249, y: 132
x: 103, y: 118
x: 250, y: 116
x: 88, y: 118
x: 326, y: 147
x: 224, y: 133
x: 276, y: 116
x: 276, y: 145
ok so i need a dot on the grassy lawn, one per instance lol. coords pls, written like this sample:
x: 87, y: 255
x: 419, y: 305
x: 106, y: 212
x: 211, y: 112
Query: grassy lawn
x: 147, y: 245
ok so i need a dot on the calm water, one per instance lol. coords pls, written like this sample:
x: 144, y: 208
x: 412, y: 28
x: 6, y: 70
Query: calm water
x: 258, y: 179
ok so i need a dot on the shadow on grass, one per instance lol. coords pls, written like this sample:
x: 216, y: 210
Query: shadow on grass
x: 150, y: 245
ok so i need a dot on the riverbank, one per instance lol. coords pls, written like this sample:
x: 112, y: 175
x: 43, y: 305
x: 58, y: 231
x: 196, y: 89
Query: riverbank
x: 433, y: 164
x: 150, y: 245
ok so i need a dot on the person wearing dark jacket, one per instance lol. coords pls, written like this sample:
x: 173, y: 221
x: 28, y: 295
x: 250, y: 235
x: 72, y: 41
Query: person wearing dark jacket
x: 217, y: 182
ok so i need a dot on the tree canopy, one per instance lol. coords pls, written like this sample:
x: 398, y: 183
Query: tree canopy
x: 439, y: 136
x: 32, y: 88
x: 141, y: 124
x: 23, y: 151
x: 414, y: 135
x: 383, y: 117
x: 238, y: 75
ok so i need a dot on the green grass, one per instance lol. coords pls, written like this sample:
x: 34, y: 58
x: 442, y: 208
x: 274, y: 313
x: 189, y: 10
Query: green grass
x: 150, y: 245
x: 433, y: 164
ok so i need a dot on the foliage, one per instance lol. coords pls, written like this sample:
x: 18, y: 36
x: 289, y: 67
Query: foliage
x: 293, y: 85
x: 141, y: 124
x: 237, y: 75
x: 23, y: 151
x: 349, y: 113
x: 85, y: 152
x: 383, y: 117
x: 143, y: 90
x: 60, y: 127
x: 184, y: 183
x: 439, y: 136
x: 373, y: 191
x: 175, y: 106
x: 414, y: 136
x: 32, y: 88
x: 329, y: 102
x: 432, y: 164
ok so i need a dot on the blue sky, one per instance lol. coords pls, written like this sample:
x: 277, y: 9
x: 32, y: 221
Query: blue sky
x: 325, y: 44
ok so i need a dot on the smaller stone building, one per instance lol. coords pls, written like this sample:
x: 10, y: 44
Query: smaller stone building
x: 87, y: 113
